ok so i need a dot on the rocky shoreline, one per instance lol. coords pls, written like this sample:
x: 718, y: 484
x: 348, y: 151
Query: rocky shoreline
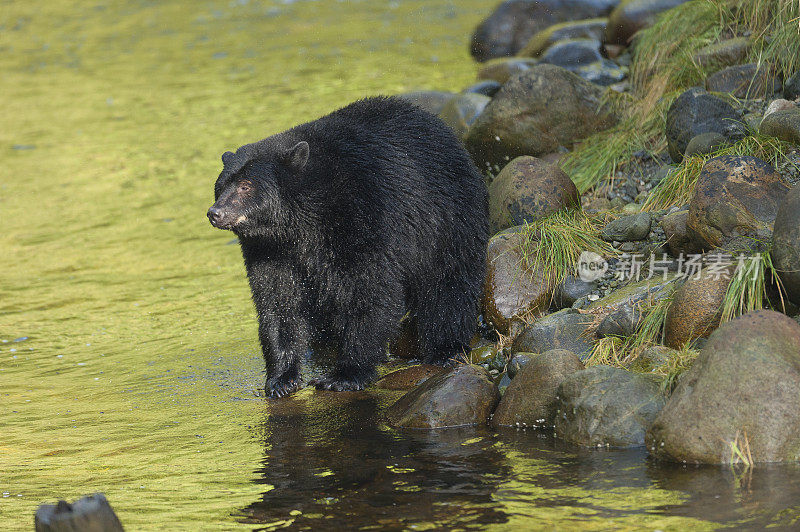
x: 635, y: 297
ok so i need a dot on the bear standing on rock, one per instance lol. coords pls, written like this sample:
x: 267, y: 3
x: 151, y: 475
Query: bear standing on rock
x: 350, y: 222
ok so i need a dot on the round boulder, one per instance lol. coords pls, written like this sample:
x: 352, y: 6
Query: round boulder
x: 741, y: 395
x: 786, y: 244
x: 528, y: 189
x: 784, y: 125
x: 735, y: 196
x: 464, y: 395
x: 628, y: 228
x: 565, y: 329
x: 530, y: 398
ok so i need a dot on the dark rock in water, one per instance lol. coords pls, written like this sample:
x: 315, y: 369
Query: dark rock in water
x: 530, y: 398
x: 511, y: 289
x: 735, y: 196
x: 460, y: 112
x: 631, y: 16
x: 89, y: 514
x: 784, y: 125
x: 514, y: 22
x: 482, y: 354
x: 652, y: 357
x: 565, y: 329
x: 696, y: 307
x: 791, y: 89
x: 577, y: 29
x: 572, y: 289
x: 407, y: 378
x: 528, y: 189
x: 744, y: 81
x: 628, y: 228
x: 431, y: 101
x: 674, y: 226
x: 741, y: 393
x: 786, y: 244
x: 464, y: 395
x: 501, y: 70
x: 606, y: 406
x: 518, y: 361
x: 534, y: 114
x: 573, y: 53
x: 695, y: 112
x: 724, y: 53
x: 488, y: 88
x: 705, y: 143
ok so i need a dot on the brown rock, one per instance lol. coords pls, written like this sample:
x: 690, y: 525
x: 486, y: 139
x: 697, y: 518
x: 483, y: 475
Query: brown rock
x: 631, y: 16
x: 464, y: 395
x: 407, y: 378
x: 696, y: 307
x: 529, y: 400
x: 511, y: 289
x: 735, y: 196
x: 501, y: 70
x: 674, y: 226
x: 527, y: 189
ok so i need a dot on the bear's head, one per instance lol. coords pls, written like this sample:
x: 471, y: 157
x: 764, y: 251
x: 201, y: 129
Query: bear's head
x: 251, y: 192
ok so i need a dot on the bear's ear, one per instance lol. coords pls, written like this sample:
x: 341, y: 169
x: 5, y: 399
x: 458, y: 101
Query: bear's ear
x: 227, y: 157
x: 297, y: 156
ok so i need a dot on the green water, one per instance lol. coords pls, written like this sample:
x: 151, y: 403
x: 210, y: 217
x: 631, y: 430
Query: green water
x: 139, y: 371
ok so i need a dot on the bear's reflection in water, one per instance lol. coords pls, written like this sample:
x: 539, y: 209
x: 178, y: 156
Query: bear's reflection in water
x: 331, y: 462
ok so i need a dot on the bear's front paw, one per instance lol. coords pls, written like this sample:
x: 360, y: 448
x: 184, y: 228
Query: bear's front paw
x: 336, y: 384
x: 281, y: 387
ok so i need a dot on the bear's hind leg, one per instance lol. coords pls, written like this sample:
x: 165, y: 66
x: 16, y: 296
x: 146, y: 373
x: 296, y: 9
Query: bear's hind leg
x: 446, y: 320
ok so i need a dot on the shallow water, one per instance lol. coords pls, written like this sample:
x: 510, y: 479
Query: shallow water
x: 129, y: 362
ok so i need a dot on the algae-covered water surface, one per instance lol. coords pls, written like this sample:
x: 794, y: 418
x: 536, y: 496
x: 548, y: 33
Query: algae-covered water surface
x: 129, y: 361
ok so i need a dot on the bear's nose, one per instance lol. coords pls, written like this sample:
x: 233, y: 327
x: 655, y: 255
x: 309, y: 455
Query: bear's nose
x: 214, y: 215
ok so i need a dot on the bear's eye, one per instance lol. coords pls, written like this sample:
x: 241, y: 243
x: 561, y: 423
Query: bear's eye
x: 244, y: 187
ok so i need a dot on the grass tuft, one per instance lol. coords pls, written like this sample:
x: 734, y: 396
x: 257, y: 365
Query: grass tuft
x: 748, y: 288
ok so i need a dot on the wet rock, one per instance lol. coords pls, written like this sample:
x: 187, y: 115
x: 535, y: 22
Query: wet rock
x: 603, y: 73
x: 464, y: 395
x: 460, y: 112
x: 631, y: 16
x: 652, y: 358
x: 535, y: 113
x: 627, y: 228
x: 530, y: 399
x: 742, y: 391
x: 784, y: 125
x: 786, y: 244
x: 674, y: 226
x: 501, y: 70
x: 92, y: 513
x: 407, y: 378
x: 695, y: 112
x: 514, y: 22
x: 431, y: 101
x: 518, y: 361
x: 572, y: 289
x: 528, y: 189
x: 705, y: 143
x: 488, y: 88
x: 565, y: 329
x: 696, y: 307
x: 791, y: 89
x: 722, y: 54
x: 511, y: 289
x: 744, y: 81
x: 577, y: 29
x: 572, y: 53
x: 606, y: 406
x: 735, y: 196
x: 482, y: 354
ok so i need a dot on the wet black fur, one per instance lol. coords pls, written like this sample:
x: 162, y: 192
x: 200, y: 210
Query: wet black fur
x: 385, y: 214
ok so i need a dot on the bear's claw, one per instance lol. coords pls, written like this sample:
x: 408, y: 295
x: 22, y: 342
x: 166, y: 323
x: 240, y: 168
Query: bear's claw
x: 338, y: 385
x: 282, y: 388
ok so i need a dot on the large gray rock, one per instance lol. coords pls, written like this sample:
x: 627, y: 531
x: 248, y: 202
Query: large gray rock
x: 742, y: 391
x: 514, y: 22
x: 631, y: 16
x: 528, y: 189
x: 744, y: 81
x: 565, y: 329
x: 695, y: 112
x: 577, y: 29
x: 535, y: 113
x: 530, y: 398
x: 606, y: 406
x: 460, y: 112
x: 735, y: 196
x: 786, y: 244
x: 784, y: 125
x: 465, y: 395
x: 628, y: 228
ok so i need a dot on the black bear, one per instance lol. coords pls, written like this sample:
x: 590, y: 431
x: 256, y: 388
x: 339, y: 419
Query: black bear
x: 347, y: 224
